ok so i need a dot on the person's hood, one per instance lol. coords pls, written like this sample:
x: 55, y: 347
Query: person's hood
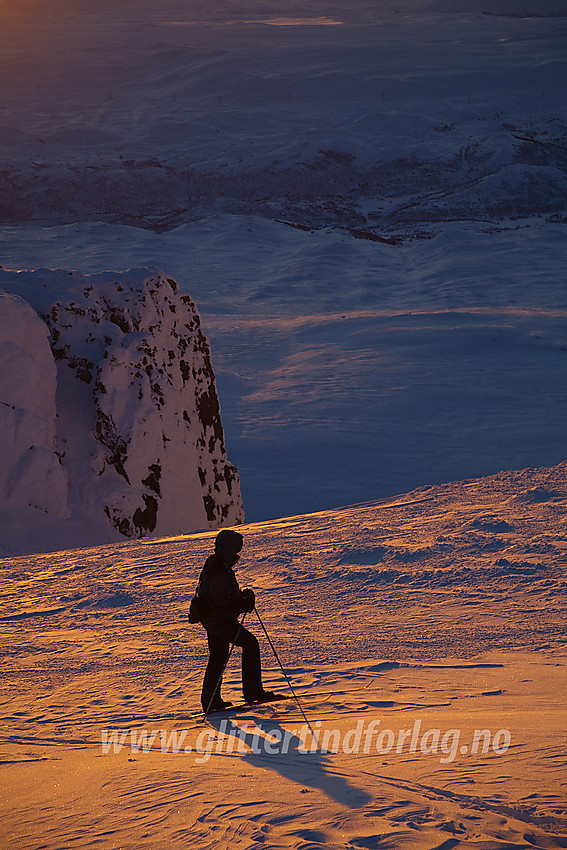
x: 228, y: 543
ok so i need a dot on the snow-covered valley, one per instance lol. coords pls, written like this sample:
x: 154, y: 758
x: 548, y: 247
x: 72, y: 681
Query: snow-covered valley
x: 348, y: 370
x: 369, y: 215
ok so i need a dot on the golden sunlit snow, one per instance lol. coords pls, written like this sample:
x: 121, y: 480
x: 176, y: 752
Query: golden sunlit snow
x: 429, y: 631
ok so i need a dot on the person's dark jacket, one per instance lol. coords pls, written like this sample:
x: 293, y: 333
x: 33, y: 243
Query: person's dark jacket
x: 219, y: 587
x: 219, y: 590
x: 218, y: 596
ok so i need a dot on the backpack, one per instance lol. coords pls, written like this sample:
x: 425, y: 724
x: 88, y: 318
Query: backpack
x: 198, y: 608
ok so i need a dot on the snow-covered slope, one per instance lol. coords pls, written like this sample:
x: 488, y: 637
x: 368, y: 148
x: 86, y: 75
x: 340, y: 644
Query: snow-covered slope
x: 113, y: 421
x: 413, y: 622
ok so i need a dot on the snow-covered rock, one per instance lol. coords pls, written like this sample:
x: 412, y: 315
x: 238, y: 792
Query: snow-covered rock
x: 30, y: 471
x: 108, y: 406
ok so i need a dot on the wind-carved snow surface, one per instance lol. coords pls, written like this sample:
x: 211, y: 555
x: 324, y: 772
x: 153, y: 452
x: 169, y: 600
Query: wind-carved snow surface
x: 109, y: 411
x: 405, y: 626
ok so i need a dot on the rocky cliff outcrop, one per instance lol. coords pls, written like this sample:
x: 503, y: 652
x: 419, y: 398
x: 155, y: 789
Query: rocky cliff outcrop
x: 108, y: 405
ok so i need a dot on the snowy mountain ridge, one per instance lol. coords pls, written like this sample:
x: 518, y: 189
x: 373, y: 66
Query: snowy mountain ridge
x: 112, y: 421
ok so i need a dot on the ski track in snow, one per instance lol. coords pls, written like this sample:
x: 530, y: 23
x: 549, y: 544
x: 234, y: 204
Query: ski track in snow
x: 444, y: 605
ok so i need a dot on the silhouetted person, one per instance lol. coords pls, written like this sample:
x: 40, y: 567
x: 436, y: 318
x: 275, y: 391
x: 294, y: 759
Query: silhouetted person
x: 221, y: 600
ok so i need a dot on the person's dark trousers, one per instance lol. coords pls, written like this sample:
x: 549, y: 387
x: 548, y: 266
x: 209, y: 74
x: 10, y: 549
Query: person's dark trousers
x: 220, y: 636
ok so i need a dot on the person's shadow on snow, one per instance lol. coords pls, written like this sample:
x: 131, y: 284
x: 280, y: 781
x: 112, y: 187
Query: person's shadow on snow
x: 273, y: 748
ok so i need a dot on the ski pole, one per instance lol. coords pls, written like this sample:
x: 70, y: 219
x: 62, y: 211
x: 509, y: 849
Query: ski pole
x: 225, y: 665
x: 296, y: 698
